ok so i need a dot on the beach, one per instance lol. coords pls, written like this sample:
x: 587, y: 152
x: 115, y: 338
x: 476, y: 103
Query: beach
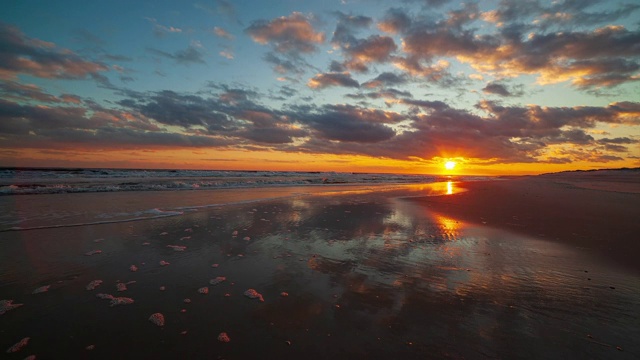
x: 528, y: 268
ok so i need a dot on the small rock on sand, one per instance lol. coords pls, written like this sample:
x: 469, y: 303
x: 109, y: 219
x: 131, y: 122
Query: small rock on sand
x: 121, y: 287
x: 223, y: 337
x: 18, y: 346
x: 6, y: 305
x: 217, y: 280
x: 252, y: 294
x: 94, y: 284
x: 133, y: 268
x: 105, y: 296
x: 203, y: 290
x: 41, y: 289
x: 90, y: 347
x: 163, y: 263
x: 121, y: 301
x: 157, y: 319
x: 284, y: 294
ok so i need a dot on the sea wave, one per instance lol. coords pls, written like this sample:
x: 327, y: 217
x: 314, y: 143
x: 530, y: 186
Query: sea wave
x: 56, y: 181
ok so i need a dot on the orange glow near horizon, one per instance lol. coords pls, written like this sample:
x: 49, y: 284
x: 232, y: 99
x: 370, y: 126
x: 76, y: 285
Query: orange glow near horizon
x: 208, y: 159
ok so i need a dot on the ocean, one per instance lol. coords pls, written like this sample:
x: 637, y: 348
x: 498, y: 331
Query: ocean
x: 32, y: 198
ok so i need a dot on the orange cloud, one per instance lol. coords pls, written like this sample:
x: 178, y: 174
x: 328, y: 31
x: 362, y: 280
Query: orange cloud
x: 288, y: 34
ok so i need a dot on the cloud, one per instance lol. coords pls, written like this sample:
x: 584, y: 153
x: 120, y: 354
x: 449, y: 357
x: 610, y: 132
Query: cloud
x: 386, y: 79
x: 222, y: 33
x: 293, y: 66
x: 588, y: 59
x: 502, y: 90
x: 347, y: 26
x: 395, y: 21
x: 321, y: 81
x: 374, y: 49
x: 162, y: 30
x: 193, y: 54
x: 349, y: 124
x: 292, y: 34
x: 20, y: 54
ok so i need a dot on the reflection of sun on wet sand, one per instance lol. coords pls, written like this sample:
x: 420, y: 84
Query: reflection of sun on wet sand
x: 596, y: 210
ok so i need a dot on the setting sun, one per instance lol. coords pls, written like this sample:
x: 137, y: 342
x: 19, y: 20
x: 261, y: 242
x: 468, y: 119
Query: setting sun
x: 449, y: 165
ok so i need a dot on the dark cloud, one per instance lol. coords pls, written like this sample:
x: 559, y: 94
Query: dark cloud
x: 292, y: 34
x: 321, y: 81
x: 284, y: 66
x: 348, y: 124
x: 193, y: 54
x: 502, y: 90
x: 347, y: 26
x: 386, y: 79
x: 395, y: 21
x: 20, y: 54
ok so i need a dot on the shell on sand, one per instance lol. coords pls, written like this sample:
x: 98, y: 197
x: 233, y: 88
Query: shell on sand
x: 157, y: 319
x: 6, y: 305
x: 224, y: 337
x: 18, y: 346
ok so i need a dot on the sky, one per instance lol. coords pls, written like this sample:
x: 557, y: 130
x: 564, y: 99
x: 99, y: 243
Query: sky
x: 498, y: 87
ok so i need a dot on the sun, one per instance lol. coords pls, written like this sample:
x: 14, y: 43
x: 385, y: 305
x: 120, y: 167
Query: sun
x: 449, y: 165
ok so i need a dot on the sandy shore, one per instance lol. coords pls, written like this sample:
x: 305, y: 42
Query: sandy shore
x: 353, y: 273
x: 598, y: 210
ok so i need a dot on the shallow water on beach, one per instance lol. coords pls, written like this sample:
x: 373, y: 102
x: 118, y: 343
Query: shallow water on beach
x: 366, y: 275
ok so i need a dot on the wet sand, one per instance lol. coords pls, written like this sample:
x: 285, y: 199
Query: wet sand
x: 599, y: 211
x: 367, y: 275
